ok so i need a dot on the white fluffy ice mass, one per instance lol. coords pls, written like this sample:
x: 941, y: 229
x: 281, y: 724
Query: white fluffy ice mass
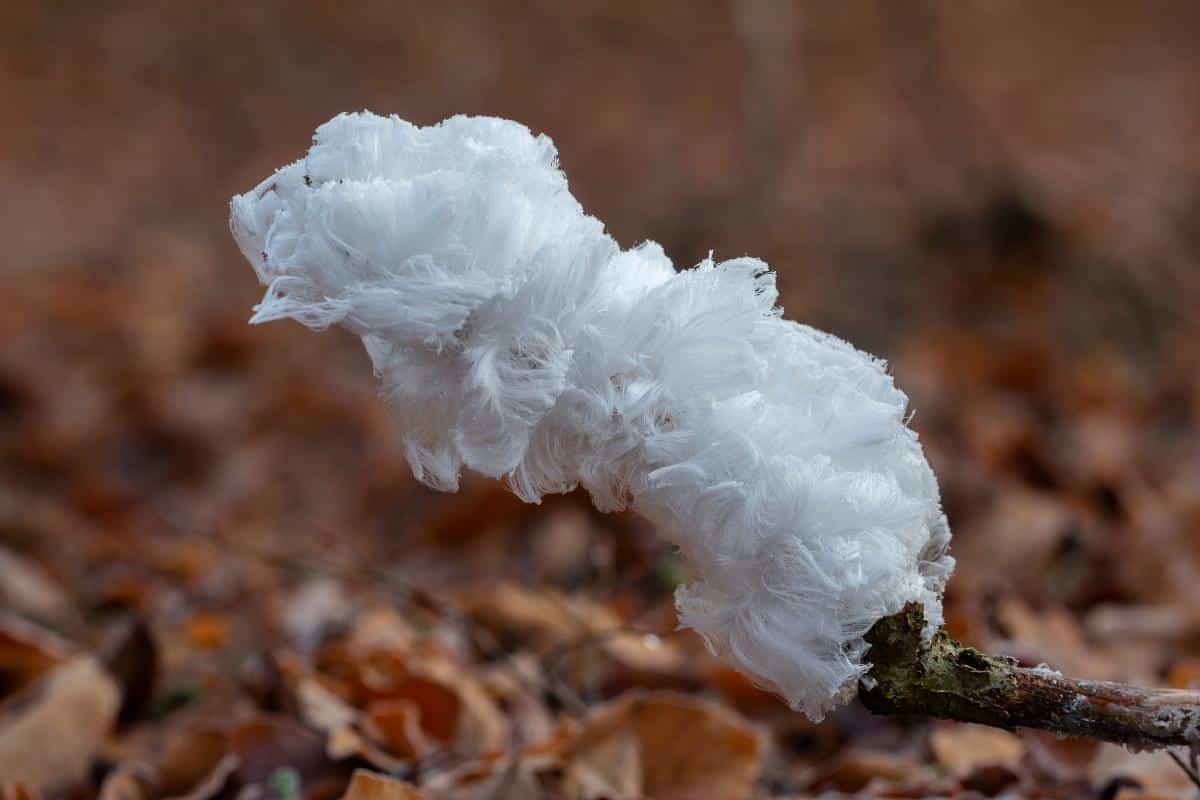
x: 514, y: 337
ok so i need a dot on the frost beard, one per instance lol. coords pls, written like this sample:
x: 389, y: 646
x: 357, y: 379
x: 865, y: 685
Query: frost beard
x: 514, y: 337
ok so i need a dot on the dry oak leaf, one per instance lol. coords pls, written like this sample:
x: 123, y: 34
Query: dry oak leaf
x: 366, y: 785
x: 73, y: 708
x: 681, y: 747
x: 321, y: 708
x: 396, y: 724
x: 450, y: 705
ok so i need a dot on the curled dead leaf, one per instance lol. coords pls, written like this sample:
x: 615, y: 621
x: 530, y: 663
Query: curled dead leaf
x: 366, y: 785
x: 685, y: 747
x: 396, y: 724
x: 27, y: 651
x: 322, y: 709
x: 75, y: 708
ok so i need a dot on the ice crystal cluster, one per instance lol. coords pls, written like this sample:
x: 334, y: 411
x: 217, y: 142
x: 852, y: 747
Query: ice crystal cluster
x: 515, y: 338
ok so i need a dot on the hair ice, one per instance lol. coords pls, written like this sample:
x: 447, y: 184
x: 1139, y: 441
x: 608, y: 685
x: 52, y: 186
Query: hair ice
x: 514, y: 337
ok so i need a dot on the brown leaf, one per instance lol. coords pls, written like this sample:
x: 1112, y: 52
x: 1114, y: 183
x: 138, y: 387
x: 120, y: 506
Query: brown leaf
x: 131, y: 781
x: 27, y: 652
x: 268, y: 742
x: 1052, y: 636
x: 856, y: 768
x: 322, y: 709
x: 74, y: 708
x: 189, y: 758
x: 437, y: 705
x: 686, y: 747
x: 961, y: 749
x: 396, y: 724
x: 366, y: 785
x: 480, y: 727
x: 347, y: 743
x: 26, y: 587
x: 499, y: 776
x: 538, y: 619
x: 214, y: 783
x: 612, y: 767
x: 381, y: 628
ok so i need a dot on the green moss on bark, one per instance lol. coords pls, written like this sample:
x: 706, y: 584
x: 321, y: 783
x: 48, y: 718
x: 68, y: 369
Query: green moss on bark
x: 938, y: 677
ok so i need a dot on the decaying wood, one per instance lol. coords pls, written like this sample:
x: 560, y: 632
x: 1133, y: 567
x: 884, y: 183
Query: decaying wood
x: 942, y: 678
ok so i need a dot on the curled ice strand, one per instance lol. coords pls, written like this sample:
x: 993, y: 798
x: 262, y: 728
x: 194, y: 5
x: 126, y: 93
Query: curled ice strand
x: 514, y: 337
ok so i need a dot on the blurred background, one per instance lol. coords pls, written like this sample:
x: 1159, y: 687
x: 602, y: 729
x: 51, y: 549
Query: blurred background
x: 1001, y: 198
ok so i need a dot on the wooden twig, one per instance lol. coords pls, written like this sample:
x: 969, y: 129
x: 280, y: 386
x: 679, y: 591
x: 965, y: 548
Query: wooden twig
x: 942, y: 678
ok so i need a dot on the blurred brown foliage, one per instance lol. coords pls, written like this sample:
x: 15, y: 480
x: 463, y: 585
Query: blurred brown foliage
x: 217, y: 576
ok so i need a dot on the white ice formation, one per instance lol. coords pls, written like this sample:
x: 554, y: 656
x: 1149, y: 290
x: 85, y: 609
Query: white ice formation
x: 515, y: 338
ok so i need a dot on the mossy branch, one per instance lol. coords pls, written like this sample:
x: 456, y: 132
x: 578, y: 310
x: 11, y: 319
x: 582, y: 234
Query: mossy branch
x: 942, y: 678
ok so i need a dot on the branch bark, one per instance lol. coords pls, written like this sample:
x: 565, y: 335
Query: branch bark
x: 942, y: 678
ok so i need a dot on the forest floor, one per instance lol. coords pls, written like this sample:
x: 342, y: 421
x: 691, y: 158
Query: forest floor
x: 218, y: 578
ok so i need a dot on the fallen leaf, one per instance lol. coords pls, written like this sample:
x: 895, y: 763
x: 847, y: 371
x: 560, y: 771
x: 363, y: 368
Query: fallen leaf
x: 348, y: 743
x: 381, y: 628
x: 75, y: 708
x: 189, y: 758
x: 26, y: 587
x: 366, y: 785
x: 541, y: 619
x: 131, y: 781
x: 687, y: 747
x: 960, y: 749
x: 437, y: 704
x: 396, y: 724
x: 499, y: 776
x: 268, y: 742
x: 327, y: 712
x: 1051, y: 636
x: 857, y: 767
x: 610, y: 767
x: 27, y: 651
x: 214, y: 783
